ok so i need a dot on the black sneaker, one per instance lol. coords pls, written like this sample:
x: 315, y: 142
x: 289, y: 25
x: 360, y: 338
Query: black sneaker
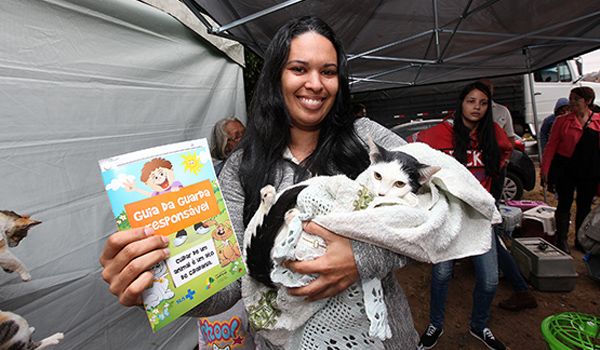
x: 430, y: 337
x: 486, y: 337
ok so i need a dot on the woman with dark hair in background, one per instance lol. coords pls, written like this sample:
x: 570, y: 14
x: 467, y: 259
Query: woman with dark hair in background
x: 300, y: 126
x: 476, y: 141
x: 573, y: 150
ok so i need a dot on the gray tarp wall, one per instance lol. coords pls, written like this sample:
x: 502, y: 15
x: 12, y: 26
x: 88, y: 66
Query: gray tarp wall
x: 80, y: 81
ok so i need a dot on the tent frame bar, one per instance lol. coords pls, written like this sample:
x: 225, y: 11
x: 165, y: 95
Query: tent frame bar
x: 522, y: 36
x: 253, y: 16
x: 526, y: 52
x: 408, y: 66
x: 464, y: 15
x: 398, y: 59
x: 436, y: 29
x: 506, y: 35
x: 383, y: 47
x: 511, y: 38
x: 383, y: 81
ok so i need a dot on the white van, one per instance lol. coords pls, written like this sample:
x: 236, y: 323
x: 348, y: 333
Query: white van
x: 550, y: 84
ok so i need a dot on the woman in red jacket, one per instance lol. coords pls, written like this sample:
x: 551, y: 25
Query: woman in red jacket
x: 573, y: 150
x: 481, y: 146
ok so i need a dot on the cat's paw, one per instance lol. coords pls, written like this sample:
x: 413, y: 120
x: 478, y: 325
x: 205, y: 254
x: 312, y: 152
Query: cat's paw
x: 290, y: 215
x: 51, y: 340
x: 25, y: 276
x: 267, y: 195
x: 56, y: 337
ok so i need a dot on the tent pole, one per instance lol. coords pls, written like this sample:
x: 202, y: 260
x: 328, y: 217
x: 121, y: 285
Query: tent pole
x: 383, y: 47
x: 398, y: 59
x: 358, y: 80
x: 367, y: 80
x: 254, y: 16
x: 507, y: 35
x: 522, y: 36
x: 436, y: 30
x: 534, y: 110
x: 464, y: 15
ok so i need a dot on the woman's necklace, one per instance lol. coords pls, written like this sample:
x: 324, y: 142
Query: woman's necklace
x: 300, y: 154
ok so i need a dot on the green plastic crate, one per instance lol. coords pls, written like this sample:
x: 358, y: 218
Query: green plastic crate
x: 572, y: 330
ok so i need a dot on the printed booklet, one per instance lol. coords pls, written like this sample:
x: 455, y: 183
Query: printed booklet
x: 174, y: 190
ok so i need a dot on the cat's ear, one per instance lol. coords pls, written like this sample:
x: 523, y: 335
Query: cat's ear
x: 375, y: 150
x: 27, y: 222
x: 426, y: 172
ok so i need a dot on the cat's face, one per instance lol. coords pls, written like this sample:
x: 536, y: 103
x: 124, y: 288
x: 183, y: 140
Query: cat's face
x: 389, y: 179
x: 15, y: 226
x: 395, y: 173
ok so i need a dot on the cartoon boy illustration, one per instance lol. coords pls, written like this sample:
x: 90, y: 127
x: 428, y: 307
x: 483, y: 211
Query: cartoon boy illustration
x: 157, y: 174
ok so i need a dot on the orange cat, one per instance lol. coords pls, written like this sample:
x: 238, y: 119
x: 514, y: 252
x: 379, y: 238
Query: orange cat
x: 13, y: 228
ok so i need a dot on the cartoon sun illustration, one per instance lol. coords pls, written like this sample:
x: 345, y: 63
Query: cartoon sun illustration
x: 191, y: 162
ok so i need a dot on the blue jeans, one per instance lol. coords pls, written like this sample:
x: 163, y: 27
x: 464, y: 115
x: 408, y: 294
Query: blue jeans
x: 507, y: 264
x: 486, y: 281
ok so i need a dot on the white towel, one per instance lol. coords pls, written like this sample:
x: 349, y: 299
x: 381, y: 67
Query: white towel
x: 453, y: 219
x: 450, y: 219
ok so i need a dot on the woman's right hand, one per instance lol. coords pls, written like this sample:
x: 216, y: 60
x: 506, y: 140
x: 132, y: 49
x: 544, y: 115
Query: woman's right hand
x: 337, y: 268
x: 127, y: 258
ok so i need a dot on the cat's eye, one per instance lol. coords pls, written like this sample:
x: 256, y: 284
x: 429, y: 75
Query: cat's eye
x: 399, y: 184
x: 377, y: 175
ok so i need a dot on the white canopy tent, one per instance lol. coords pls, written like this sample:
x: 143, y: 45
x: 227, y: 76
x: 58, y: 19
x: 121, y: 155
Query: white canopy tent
x: 80, y: 81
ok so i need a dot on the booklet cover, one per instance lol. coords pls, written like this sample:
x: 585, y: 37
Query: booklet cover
x: 174, y: 190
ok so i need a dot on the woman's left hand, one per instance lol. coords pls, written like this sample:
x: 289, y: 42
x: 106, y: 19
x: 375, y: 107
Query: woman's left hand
x: 336, y: 269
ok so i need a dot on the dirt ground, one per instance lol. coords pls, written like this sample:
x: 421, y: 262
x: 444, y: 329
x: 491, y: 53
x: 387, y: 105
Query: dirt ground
x: 518, y: 330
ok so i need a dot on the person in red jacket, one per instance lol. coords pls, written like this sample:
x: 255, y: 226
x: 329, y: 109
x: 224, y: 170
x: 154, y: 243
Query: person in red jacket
x: 483, y: 147
x: 571, y: 161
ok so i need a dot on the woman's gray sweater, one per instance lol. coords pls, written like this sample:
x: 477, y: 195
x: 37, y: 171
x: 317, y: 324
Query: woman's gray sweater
x: 371, y: 261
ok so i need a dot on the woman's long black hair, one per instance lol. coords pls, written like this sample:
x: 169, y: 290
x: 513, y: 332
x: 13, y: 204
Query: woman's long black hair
x: 339, y: 149
x: 486, y: 134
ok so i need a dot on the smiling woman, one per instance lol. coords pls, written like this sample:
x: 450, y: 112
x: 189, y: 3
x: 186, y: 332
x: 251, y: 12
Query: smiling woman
x: 309, y: 81
x: 300, y: 105
x: 481, y: 145
x: 299, y: 126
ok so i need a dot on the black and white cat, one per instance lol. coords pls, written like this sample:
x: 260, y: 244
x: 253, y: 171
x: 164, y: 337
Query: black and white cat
x: 270, y: 220
x: 15, y: 334
x: 394, y: 175
x: 13, y: 228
